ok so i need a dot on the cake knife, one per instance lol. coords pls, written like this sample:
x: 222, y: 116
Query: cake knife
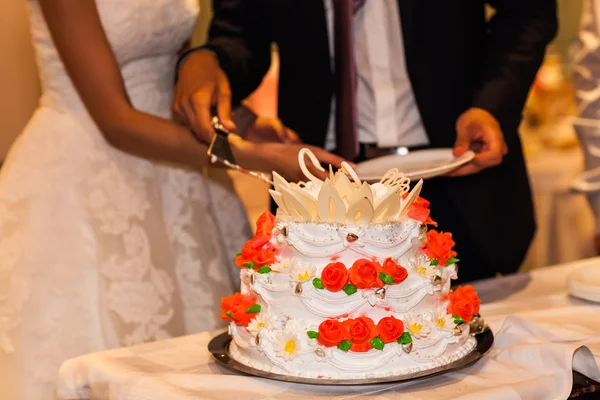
x: 220, y: 151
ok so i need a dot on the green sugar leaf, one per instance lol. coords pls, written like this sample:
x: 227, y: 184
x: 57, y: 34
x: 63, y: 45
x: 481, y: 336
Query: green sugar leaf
x: 386, y: 278
x: 434, y: 262
x: 229, y: 314
x: 345, y: 345
x: 318, y: 283
x: 377, y: 343
x: 452, y: 261
x: 253, y: 309
x: 264, y: 270
x: 458, y: 320
x: 405, y: 338
x: 312, y: 334
x: 249, y: 264
x: 349, y: 289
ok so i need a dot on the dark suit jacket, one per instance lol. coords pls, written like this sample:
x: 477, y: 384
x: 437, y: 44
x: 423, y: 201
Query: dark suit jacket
x: 455, y: 60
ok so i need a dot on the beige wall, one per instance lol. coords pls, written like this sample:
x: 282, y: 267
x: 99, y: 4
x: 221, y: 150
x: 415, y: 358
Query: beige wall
x: 19, y: 87
x: 199, y: 36
x: 568, y: 18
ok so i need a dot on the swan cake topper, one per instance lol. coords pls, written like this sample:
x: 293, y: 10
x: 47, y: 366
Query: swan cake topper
x: 342, y: 197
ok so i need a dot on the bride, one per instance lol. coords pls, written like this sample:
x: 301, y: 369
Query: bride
x: 109, y: 233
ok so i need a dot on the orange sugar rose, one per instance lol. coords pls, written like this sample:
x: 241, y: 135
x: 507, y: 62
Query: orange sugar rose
x: 265, y: 223
x: 334, y: 277
x: 263, y: 257
x: 247, y: 255
x: 332, y: 333
x: 390, y: 329
x: 235, y: 308
x: 419, y: 211
x: 464, y: 302
x: 264, y: 229
x: 439, y: 246
x: 398, y: 273
x: 360, y: 332
x: 364, y: 274
x: 254, y: 251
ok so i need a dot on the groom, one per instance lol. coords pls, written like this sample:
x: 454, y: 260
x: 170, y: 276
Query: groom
x: 369, y: 78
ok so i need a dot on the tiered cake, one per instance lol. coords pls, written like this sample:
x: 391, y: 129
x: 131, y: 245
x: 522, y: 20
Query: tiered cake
x: 347, y: 282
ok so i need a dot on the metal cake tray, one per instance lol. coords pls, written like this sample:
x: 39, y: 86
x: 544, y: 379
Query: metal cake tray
x: 219, y: 347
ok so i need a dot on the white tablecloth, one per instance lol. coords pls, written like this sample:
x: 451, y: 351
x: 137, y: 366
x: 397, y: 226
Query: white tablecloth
x: 541, y: 335
x: 565, y: 222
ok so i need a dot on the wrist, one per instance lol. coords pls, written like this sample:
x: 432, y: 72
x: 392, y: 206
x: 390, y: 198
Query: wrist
x: 476, y: 115
x: 203, y: 53
x: 245, y: 153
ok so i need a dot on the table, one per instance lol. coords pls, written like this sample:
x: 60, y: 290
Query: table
x: 540, y: 333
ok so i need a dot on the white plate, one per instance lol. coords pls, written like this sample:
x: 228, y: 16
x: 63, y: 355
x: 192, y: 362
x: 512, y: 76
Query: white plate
x: 585, y: 283
x: 420, y: 164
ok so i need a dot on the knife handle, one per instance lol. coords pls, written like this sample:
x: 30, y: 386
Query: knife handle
x: 219, y: 127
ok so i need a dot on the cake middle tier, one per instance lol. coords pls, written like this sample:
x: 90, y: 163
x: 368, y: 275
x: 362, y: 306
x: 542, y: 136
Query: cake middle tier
x: 315, y: 280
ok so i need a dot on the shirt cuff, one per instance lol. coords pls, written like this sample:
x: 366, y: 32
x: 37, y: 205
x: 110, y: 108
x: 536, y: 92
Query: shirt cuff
x: 243, y: 118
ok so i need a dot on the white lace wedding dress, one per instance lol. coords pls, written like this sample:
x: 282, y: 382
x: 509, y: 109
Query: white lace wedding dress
x: 99, y: 248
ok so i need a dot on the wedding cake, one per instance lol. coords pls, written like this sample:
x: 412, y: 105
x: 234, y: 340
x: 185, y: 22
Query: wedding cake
x: 347, y: 282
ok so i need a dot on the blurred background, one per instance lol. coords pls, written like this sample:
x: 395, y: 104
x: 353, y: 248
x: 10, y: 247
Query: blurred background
x: 566, y: 225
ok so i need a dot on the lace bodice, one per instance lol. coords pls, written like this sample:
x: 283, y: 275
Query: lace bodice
x: 145, y: 36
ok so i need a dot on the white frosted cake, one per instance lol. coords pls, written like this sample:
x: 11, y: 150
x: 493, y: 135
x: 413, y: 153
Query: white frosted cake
x: 347, y: 282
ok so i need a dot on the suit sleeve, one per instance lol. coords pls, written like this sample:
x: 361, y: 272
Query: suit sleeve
x: 518, y: 34
x: 240, y: 36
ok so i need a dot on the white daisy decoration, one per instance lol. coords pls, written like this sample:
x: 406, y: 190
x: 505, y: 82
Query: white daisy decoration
x: 263, y: 320
x: 442, y: 319
x: 283, y: 265
x: 302, y: 272
x: 450, y: 272
x: 416, y: 325
x: 288, y: 345
x: 299, y: 326
x: 424, y: 268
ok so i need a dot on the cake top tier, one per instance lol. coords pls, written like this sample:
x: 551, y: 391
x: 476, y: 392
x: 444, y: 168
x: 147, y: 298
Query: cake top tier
x: 343, y: 198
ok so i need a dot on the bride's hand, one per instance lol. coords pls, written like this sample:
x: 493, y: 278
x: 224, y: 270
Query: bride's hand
x: 282, y: 158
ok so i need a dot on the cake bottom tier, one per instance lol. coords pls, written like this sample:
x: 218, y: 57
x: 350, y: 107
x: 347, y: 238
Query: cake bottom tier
x: 322, y: 363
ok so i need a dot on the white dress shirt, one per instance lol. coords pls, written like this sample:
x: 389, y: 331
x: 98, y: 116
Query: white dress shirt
x: 387, y: 112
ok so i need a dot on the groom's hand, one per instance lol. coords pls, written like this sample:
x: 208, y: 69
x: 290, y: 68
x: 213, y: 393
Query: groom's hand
x: 478, y: 130
x: 266, y: 129
x: 202, y: 85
